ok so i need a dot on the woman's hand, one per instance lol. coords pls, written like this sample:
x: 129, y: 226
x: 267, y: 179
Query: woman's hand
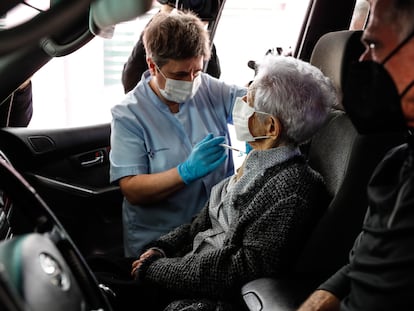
x: 152, y: 252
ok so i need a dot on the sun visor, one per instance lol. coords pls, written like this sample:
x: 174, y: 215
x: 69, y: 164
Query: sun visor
x: 105, y: 14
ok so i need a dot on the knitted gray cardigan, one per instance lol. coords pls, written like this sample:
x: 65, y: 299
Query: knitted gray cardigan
x: 275, y: 219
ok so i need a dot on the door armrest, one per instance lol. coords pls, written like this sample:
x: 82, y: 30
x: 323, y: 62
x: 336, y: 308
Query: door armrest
x: 267, y: 294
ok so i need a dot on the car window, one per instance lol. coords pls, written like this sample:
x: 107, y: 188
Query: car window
x: 79, y: 89
x: 247, y: 31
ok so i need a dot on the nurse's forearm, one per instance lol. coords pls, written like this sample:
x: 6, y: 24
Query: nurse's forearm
x: 151, y: 188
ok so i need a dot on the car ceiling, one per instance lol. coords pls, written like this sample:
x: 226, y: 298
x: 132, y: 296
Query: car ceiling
x: 27, y: 47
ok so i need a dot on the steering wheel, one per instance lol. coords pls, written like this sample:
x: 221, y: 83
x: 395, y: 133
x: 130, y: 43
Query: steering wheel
x: 40, y: 266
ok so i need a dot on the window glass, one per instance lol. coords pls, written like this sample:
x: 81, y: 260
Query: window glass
x: 79, y: 89
x: 248, y: 29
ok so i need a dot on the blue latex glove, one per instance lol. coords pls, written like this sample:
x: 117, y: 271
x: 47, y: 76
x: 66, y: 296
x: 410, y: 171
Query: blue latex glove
x: 205, y: 157
x: 248, y: 148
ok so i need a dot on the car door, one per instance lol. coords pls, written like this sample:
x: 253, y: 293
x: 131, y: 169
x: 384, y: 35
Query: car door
x: 69, y: 168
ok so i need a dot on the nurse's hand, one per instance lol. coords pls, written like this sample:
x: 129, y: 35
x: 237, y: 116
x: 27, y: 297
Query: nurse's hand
x: 205, y: 157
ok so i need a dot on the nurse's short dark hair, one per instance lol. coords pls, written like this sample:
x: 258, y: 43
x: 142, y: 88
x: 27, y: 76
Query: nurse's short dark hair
x: 177, y: 35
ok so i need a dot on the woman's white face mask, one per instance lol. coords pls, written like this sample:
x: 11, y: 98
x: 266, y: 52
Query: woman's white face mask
x: 241, y: 115
x: 179, y: 91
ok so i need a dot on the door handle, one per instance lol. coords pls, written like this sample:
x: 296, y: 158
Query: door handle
x: 98, y: 158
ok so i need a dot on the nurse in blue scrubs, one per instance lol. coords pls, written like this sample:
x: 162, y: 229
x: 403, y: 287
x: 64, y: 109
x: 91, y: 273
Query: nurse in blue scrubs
x: 166, y: 137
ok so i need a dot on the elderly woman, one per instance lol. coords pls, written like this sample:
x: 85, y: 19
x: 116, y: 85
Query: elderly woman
x: 256, y: 222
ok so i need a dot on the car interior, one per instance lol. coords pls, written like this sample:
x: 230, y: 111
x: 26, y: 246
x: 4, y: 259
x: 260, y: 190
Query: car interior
x: 56, y: 202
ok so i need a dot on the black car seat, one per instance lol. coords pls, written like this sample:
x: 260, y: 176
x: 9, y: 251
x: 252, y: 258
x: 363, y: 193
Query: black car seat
x: 346, y: 160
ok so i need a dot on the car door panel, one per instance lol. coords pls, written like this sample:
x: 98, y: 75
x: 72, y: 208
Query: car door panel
x: 70, y: 169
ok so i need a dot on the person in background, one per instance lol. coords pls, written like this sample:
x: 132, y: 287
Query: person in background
x: 380, y: 273
x: 166, y: 134
x: 256, y: 220
x: 136, y: 64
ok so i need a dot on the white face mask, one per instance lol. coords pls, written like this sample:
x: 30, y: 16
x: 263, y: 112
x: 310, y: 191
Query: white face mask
x: 241, y: 115
x: 179, y: 91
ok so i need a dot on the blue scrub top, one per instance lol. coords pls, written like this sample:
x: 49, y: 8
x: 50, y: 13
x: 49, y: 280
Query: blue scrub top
x: 147, y: 138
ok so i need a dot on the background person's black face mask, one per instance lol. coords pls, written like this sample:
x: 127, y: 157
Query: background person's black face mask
x: 371, y: 98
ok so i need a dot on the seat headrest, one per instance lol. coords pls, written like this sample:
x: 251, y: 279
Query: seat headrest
x: 334, y: 52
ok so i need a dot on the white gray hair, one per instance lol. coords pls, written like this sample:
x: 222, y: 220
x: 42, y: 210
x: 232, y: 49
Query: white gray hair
x: 295, y: 92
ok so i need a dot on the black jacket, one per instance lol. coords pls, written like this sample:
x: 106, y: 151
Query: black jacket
x: 380, y: 275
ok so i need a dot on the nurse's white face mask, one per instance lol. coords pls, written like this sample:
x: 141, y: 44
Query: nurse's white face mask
x: 241, y: 115
x: 179, y: 91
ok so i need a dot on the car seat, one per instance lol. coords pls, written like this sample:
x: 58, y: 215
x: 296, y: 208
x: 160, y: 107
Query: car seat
x: 346, y: 160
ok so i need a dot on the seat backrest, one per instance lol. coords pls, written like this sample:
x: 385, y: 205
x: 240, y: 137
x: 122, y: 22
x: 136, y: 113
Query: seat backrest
x: 345, y: 159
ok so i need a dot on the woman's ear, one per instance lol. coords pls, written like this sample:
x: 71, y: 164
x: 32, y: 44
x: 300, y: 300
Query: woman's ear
x: 274, y: 128
x: 151, y: 66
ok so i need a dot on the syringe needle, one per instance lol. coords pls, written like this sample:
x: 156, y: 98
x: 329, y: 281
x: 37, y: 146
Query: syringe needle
x: 232, y: 148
